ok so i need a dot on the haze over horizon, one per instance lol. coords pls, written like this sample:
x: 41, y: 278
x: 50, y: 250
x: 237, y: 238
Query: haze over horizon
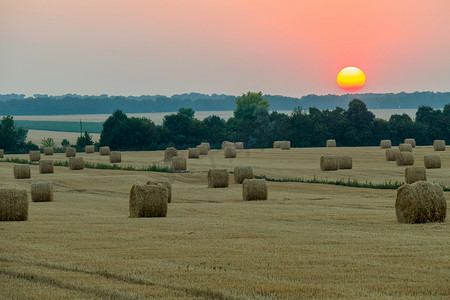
x: 290, y: 48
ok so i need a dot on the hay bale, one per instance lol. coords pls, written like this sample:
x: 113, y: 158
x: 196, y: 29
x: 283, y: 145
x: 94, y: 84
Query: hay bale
x: 89, y: 149
x: 115, y: 157
x: 230, y: 152
x: 227, y: 143
x: 76, y: 163
x: 404, y: 159
x: 179, y: 163
x: 203, y: 149
x: 412, y: 142
x: 22, y: 171
x: 285, y: 145
x: 41, y: 191
x: 167, y: 185
x: 193, y: 153
x: 241, y: 173
x: 48, y: 151
x: 385, y: 144
x: 169, y: 153
x: 2, y: 153
x: 71, y: 152
x: 35, y: 155
x: 148, y: 200
x: 254, y: 189
x: 104, y: 150
x: 413, y: 174
x: 331, y: 143
x: 344, y: 162
x: 277, y: 144
x: 239, y: 145
x: 218, y: 178
x: 405, y: 147
x: 329, y: 163
x: 391, y: 154
x: 13, y: 204
x: 46, y: 166
x: 207, y: 145
x: 432, y: 161
x: 420, y: 202
x: 439, y: 145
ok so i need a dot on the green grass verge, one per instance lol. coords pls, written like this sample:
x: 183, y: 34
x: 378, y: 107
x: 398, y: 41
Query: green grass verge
x: 91, y: 127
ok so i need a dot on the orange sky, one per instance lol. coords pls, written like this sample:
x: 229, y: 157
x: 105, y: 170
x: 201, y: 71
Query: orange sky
x: 294, y: 48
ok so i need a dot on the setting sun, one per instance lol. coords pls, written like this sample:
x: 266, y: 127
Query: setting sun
x: 351, y: 79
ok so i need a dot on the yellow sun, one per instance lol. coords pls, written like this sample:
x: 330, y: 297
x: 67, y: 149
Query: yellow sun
x: 351, y: 79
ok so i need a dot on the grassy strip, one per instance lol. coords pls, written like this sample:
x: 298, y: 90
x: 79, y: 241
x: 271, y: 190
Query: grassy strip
x: 91, y: 127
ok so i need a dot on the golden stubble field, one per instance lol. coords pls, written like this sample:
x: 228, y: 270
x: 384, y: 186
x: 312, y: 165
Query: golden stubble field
x: 305, y: 241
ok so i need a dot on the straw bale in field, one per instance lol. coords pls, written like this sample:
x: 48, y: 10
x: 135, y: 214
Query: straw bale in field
x: 254, y: 189
x: 331, y: 143
x: 41, y: 191
x: 13, y: 204
x: 241, y: 173
x: 277, y: 144
x: 285, y: 145
x: 344, y: 162
x: 35, y: 155
x: 71, y: 152
x: 89, y: 149
x: 329, y: 163
x: 230, y: 152
x: 218, y: 178
x: 22, y: 171
x: 46, y: 166
x: 239, y: 145
x: 411, y: 141
x: 179, y: 163
x: 193, y: 153
x: 420, y: 202
x: 413, y: 174
x: 104, y: 150
x: 391, y: 154
x: 207, y: 145
x: 404, y: 159
x: 405, y: 147
x: 2, y: 153
x: 439, y: 145
x: 166, y: 184
x: 115, y: 157
x: 76, y: 163
x: 202, y: 149
x: 48, y: 151
x: 169, y: 153
x: 148, y: 200
x: 432, y: 161
x: 385, y: 144
x: 227, y: 143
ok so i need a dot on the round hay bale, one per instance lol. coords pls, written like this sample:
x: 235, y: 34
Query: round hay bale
x: 22, y: 171
x: 76, y: 163
x: 391, y: 154
x: 115, y: 157
x: 285, y: 145
x: 207, y: 145
x: 405, y: 148
x: 344, y: 162
x: 227, y: 143
x: 71, y: 152
x: 46, y: 166
x: 89, y: 149
x: 385, y: 144
x: 420, y: 202
x: 241, y: 173
x: 193, y: 153
x: 104, y: 150
x: 329, y: 163
x: 239, y: 145
x: 203, y: 149
x: 218, y: 178
x: 35, y: 155
x: 439, y: 145
x: 41, y: 191
x: 277, y: 144
x: 166, y: 184
x: 432, y: 161
x: 404, y: 159
x: 412, y: 142
x: 48, y: 151
x: 254, y: 189
x: 2, y: 153
x: 13, y: 204
x: 230, y: 152
x: 169, y: 153
x: 148, y: 200
x: 179, y: 163
x: 331, y: 143
x: 413, y: 174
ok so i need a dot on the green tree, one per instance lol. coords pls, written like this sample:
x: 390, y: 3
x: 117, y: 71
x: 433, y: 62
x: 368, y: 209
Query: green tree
x: 84, y: 140
x: 65, y: 143
x: 47, y: 142
x: 11, y: 137
x: 247, y: 104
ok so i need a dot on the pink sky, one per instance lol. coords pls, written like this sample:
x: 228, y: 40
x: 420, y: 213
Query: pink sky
x: 292, y: 48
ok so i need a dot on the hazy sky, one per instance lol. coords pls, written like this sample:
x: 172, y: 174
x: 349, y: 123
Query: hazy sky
x: 293, y: 48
